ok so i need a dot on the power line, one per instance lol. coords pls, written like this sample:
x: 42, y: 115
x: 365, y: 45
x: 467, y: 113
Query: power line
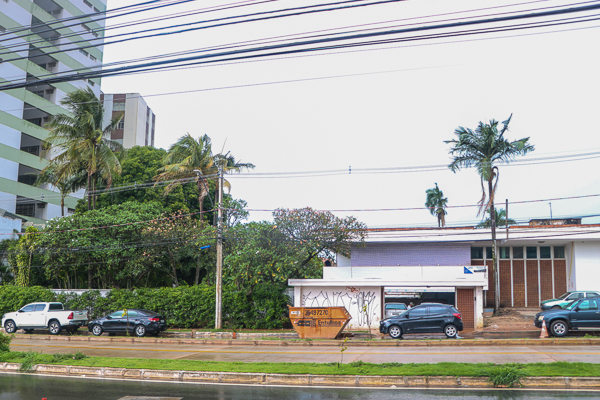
x: 293, y: 47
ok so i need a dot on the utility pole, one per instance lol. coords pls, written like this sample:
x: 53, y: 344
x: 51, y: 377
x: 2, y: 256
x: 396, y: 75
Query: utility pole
x: 219, y: 277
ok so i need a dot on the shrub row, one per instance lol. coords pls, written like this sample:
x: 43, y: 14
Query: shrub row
x: 184, y: 307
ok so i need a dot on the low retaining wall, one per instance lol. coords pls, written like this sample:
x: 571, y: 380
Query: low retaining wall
x: 303, y: 380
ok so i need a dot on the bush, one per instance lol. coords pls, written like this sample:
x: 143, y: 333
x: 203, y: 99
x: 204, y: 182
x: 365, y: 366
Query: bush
x: 508, y: 375
x: 184, y: 306
x: 5, y: 342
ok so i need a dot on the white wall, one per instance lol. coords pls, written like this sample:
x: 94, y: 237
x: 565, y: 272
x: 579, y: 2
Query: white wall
x: 353, y: 298
x: 8, y: 227
x: 586, y: 265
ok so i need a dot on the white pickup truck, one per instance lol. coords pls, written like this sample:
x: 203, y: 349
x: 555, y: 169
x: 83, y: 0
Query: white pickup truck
x: 51, y: 316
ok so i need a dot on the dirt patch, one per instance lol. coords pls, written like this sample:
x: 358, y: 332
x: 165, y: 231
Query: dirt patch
x: 509, y: 319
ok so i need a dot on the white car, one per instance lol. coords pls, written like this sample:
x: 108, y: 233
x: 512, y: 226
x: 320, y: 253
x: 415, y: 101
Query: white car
x: 51, y: 316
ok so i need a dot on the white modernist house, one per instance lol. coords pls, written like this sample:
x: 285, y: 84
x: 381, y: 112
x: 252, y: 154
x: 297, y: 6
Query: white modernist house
x: 40, y: 39
x: 536, y: 263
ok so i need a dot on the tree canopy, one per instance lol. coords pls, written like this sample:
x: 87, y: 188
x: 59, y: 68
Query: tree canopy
x: 436, y: 202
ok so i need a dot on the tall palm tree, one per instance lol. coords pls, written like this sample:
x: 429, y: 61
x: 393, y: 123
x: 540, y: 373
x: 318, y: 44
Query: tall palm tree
x: 193, y: 159
x: 436, y: 202
x: 53, y: 175
x: 500, y: 219
x: 82, y: 141
x: 482, y: 149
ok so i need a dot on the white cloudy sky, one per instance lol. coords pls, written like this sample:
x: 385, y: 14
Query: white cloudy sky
x: 387, y: 107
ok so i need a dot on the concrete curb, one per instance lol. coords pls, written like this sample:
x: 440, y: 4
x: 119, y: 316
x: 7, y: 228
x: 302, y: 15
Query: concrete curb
x: 319, y: 343
x: 302, y: 380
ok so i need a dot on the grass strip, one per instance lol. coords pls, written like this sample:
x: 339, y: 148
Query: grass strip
x: 354, y: 368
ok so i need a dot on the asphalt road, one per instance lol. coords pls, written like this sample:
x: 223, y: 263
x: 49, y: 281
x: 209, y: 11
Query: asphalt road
x: 321, y: 354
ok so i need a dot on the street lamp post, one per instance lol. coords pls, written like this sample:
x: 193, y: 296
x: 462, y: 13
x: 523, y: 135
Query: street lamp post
x: 219, y: 272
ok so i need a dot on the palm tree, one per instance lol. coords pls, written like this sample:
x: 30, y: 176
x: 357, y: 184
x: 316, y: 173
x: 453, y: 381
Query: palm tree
x: 83, y: 143
x: 52, y: 174
x: 193, y: 159
x: 436, y: 202
x: 482, y: 149
x: 500, y: 219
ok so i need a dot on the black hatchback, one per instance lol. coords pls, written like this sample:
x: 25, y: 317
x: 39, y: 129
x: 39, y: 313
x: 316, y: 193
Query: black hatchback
x: 134, y: 321
x: 424, y: 318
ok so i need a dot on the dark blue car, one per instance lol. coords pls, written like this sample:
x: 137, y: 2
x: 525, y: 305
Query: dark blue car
x: 135, y: 321
x: 424, y: 318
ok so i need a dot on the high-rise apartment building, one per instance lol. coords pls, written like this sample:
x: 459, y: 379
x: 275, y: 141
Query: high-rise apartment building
x: 137, y: 125
x: 38, y: 39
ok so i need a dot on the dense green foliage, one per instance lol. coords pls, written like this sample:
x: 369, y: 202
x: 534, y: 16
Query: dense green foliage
x: 184, y: 306
x: 5, y: 342
x: 437, y: 203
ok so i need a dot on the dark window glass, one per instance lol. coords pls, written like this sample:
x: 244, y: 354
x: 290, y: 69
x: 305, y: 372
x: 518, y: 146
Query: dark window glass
x: 476, y: 253
x: 28, y: 308
x: 116, y: 314
x: 488, y: 253
x: 592, y: 294
x: 55, y: 306
x: 559, y: 251
x: 576, y: 296
x: 417, y: 312
x: 517, y: 252
x: 130, y: 314
x: 39, y: 307
x: 545, y: 252
x: 587, y: 305
x: 437, y: 310
x: 504, y: 252
x: 531, y: 252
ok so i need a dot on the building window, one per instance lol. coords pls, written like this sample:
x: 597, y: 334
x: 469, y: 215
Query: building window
x: 85, y: 53
x: 119, y: 106
x: 121, y: 124
x: 27, y: 210
x: 476, y: 253
x: 87, y: 3
x: 531, y: 252
x: 517, y: 252
x: 559, y: 251
x: 545, y: 252
x: 488, y: 253
x: 505, y: 252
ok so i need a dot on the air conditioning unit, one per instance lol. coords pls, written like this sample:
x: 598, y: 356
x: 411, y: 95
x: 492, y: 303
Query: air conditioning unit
x: 49, y: 91
x: 45, y: 119
x: 41, y: 205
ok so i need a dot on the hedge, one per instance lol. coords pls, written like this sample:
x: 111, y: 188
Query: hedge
x: 183, y: 307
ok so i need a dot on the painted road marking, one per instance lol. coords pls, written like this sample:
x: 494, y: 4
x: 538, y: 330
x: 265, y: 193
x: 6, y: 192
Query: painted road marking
x: 532, y: 352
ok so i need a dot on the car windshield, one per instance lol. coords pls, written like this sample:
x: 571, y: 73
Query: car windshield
x: 564, y: 295
x: 570, y: 306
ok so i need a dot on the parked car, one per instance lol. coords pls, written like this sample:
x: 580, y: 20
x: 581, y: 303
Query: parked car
x: 394, y: 309
x: 51, y: 316
x: 136, y: 321
x: 567, y: 299
x: 424, y: 318
x: 582, y: 313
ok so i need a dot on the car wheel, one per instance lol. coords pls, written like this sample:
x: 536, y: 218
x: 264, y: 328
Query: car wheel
x: 557, y: 308
x: 140, y: 331
x: 450, y: 331
x: 97, y: 330
x: 559, y: 328
x: 10, y: 326
x: 395, y: 332
x: 54, y: 327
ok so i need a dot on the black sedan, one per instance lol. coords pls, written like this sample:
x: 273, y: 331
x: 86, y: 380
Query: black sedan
x: 134, y: 321
x: 425, y: 318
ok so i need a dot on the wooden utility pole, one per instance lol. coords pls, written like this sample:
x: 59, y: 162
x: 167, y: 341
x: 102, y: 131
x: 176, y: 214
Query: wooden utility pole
x: 219, y: 273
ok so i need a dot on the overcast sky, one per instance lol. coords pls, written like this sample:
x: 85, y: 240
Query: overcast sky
x: 386, y: 107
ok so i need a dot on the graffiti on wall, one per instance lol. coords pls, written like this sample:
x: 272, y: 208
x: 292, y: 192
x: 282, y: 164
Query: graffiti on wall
x: 361, y: 305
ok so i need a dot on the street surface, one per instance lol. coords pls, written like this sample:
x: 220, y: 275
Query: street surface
x: 320, y: 354
x: 28, y: 387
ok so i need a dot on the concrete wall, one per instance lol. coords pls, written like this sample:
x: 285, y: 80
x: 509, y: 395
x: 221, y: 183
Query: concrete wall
x: 586, y: 265
x: 8, y: 226
x: 353, y: 298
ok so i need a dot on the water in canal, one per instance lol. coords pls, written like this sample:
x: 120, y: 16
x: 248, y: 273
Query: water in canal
x: 35, y: 387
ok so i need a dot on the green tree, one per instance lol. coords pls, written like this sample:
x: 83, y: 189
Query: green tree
x: 82, y: 143
x: 101, y: 248
x: 53, y: 174
x: 259, y: 252
x: 23, y: 256
x: 500, y: 219
x: 483, y: 148
x: 436, y: 202
x: 321, y: 233
x: 135, y: 183
x: 193, y: 160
